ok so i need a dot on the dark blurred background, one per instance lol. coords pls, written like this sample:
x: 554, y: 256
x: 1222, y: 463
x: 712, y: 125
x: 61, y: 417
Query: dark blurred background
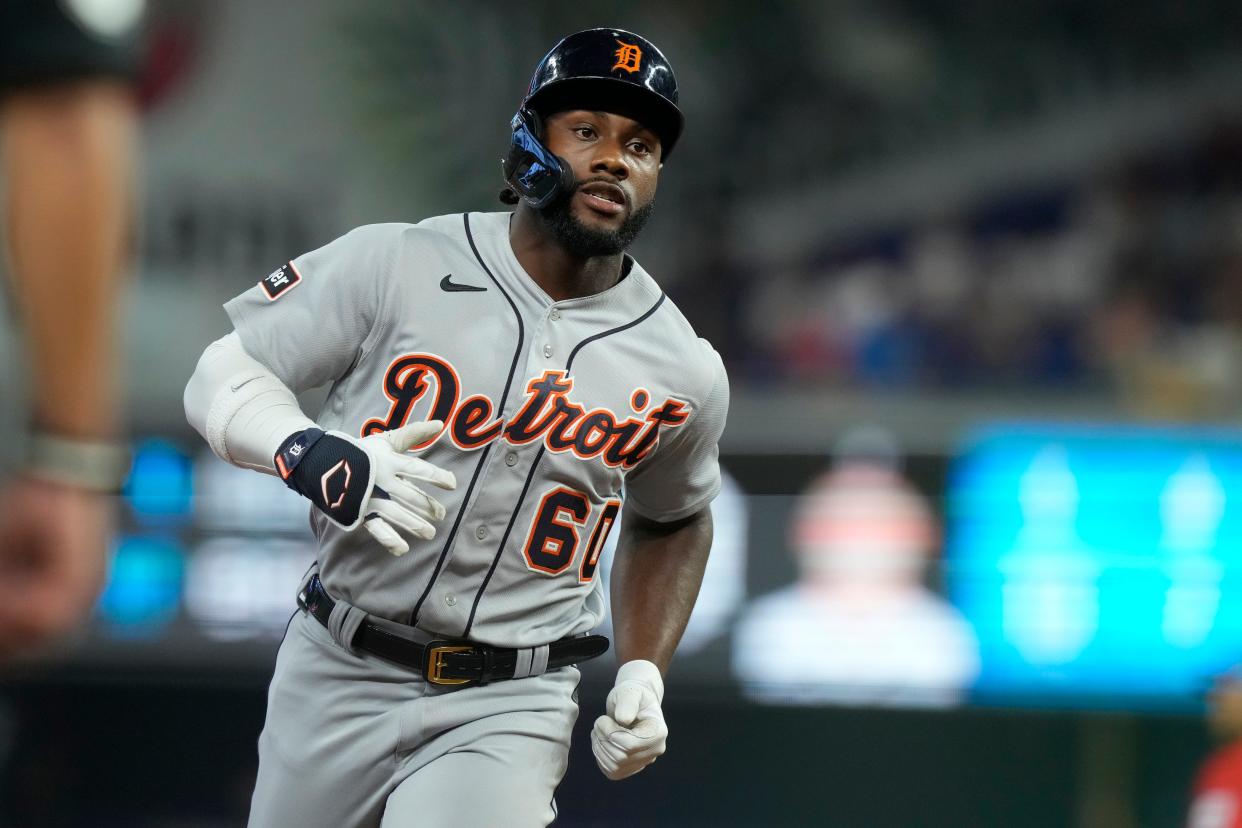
x: 976, y: 272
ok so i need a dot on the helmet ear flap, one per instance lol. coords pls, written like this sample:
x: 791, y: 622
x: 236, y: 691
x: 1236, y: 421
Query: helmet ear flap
x: 538, y: 127
x: 534, y: 122
x: 530, y: 168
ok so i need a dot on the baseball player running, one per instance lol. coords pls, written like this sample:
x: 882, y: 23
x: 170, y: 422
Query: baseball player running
x: 500, y: 382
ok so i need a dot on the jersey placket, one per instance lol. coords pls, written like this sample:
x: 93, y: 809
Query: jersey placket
x: 549, y: 348
x: 488, y: 525
x: 439, y: 606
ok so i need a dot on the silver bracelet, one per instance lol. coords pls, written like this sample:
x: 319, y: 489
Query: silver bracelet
x: 96, y: 465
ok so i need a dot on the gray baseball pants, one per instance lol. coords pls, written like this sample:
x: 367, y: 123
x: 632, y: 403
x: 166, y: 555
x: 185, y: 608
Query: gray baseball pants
x: 352, y: 741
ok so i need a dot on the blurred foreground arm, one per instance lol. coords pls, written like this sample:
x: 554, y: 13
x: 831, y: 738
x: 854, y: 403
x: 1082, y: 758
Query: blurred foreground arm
x: 655, y: 580
x: 68, y: 164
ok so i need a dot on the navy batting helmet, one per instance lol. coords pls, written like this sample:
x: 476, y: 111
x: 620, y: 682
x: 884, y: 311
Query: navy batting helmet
x: 609, y: 69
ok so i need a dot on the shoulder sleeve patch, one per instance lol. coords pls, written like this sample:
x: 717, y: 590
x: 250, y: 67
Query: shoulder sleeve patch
x: 281, y: 281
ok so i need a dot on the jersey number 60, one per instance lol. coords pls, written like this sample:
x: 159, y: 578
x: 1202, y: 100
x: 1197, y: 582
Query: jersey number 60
x: 553, y: 538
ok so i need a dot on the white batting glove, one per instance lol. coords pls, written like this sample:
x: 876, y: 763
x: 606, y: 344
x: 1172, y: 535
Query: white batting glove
x: 369, y: 481
x: 408, y: 506
x: 632, y: 733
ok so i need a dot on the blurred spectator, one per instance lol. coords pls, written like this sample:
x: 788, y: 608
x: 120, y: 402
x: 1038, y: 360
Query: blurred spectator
x: 1217, y: 799
x: 859, y: 626
x: 68, y: 122
x: 1125, y: 280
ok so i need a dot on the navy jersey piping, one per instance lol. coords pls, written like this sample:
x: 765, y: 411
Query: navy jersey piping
x: 569, y: 364
x: 504, y: 401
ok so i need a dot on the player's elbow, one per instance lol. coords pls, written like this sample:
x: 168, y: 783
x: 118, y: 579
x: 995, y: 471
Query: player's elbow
x: 240, y: 407
x: 196, y: 399
x: 204, y: 384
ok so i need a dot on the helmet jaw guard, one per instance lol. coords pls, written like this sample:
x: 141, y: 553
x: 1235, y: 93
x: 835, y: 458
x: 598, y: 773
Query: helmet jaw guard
x: 530, y: 168
x: 608, y: 69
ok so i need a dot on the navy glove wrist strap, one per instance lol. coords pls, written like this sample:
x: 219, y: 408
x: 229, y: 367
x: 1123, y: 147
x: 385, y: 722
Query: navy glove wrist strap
x: 293, y: 451
x: 329, y: 471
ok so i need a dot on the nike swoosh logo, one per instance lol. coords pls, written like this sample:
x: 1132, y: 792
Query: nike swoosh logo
x: 449, y: 285
x: 243, y: 382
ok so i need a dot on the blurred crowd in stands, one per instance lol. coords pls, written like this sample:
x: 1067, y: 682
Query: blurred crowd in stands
x: 1130, y: 281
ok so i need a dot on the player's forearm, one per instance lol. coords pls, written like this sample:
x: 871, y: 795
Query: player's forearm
x: 241, y: 408
x: 68, y: 161
x: 655, y: 581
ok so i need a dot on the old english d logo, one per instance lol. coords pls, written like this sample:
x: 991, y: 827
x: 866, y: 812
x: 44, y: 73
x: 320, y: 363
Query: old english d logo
x: 629, y: 57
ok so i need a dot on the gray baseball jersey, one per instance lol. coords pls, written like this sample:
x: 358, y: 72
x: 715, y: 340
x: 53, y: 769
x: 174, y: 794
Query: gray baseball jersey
x: 554, y: 411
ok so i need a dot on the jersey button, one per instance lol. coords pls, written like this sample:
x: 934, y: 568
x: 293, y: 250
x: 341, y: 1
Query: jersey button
x: 555, y: 314
x: 450, y: 599
x: 511, y: 459
x: 481, y: 533
x: 547, y: 351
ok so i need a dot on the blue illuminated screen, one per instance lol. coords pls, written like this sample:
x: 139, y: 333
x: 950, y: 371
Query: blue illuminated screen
x: 1098, y: 565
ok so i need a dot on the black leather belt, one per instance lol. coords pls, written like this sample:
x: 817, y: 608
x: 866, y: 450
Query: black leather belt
x: 448, y: 662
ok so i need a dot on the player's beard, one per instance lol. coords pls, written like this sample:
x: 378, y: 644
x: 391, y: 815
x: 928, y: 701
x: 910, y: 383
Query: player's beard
x: 587, y: 242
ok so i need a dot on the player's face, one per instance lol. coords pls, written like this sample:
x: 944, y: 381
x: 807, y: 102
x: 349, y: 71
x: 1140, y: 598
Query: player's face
x: 616, y: 164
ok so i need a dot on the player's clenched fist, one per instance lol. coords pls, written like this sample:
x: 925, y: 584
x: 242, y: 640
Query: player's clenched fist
x: 369, y: 481
x: 632, y: 733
